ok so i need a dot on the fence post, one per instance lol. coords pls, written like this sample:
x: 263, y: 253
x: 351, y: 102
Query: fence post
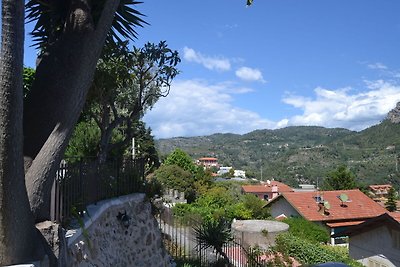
x: 53, y: 203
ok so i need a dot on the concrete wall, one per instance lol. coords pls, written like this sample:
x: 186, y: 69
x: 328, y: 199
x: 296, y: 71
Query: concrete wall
x: 281, y: 206
x: 375, y: 245
x: 107, y: 242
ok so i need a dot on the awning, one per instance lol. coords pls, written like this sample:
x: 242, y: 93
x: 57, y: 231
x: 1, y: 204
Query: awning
x: 342, y: 224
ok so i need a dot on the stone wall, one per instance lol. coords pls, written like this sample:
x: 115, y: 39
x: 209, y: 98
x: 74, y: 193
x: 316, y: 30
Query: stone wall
x: 110, y: 239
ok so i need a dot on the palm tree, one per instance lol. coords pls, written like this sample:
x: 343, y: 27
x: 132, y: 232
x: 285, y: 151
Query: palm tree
x: 16, y: 223
x: 214, y: 234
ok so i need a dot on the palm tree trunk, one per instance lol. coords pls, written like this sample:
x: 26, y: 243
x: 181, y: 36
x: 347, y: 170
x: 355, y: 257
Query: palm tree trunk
x: 16, y: 222
x: 62, y: 81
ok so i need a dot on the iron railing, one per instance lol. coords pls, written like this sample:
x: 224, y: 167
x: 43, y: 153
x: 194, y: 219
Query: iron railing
x: 180, y: 241
x: 86, y: 182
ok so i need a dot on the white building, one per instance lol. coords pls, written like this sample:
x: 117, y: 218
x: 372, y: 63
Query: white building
x: 239, y: 173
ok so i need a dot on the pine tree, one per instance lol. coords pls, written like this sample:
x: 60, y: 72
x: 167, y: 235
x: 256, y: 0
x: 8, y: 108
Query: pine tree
x: 390, y: 204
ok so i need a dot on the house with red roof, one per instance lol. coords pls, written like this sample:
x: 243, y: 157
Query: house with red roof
x: 335, y: 210
x: 380, y: 191
x: 267, y: 190
x: 376, y: 242
x: 208, y: 162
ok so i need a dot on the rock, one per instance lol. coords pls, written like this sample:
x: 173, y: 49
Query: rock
x: 394, y: 114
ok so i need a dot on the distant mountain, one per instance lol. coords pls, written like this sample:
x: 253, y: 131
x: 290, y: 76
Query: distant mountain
x: 303, y: 154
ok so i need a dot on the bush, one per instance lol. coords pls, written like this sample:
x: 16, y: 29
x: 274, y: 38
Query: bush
x: 307, y: 230
x: 311, y: 253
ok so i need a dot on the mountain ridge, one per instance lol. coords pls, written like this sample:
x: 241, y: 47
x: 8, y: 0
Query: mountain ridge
x: 303, y: 154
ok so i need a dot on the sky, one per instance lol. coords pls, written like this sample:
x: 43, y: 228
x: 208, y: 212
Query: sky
x: 277, y: 63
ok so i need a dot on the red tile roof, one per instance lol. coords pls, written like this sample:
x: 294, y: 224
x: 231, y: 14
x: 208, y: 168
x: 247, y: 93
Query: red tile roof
x: 358, y: 207
x: 380, y: 186
x: 395, y: 215
x: 267, y: 187
x: 341, y: 224
x: 212, y: 159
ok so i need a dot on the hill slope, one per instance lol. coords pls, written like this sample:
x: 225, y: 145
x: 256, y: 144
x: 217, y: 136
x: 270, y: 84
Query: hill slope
x: 301, y: 154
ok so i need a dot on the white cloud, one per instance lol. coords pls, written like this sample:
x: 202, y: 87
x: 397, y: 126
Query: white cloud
x: 377, y: 66
x: 211, y: 63
x: 249, y: 74
x: 341, y: 108
x: 198, y: 108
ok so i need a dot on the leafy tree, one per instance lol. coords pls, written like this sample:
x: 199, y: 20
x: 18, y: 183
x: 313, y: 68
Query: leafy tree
x: 203, y: 179
x: 340, y: 179
x: 146, y: 146
x: 84, y: 141
x: 256, y: 206
x: 126, y: 84
x: 182, y: 159
x: 174, y: 177
x: 231, y: 172
x: 218, y: 202
x: 391, y: 204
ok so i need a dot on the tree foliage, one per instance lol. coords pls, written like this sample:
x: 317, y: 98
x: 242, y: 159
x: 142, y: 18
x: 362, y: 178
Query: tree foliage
x: 182, y: 159
x: 257, y: 207
x: 216, y: 203
x: 307, y: 230
x: 126, y: 84
x: 174, y: 177
x: 28, y: 78
x: 340, y: 179
x: 391, y: 204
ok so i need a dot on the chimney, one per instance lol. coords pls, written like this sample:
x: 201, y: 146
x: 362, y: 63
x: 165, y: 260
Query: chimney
x: 323, y: 208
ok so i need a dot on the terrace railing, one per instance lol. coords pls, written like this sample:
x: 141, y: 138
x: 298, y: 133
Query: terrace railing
x: 84, y: 182
x: 180, y: 241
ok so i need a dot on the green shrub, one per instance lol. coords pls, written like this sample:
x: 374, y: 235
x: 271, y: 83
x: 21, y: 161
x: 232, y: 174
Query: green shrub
x: 311, y: 253
x: 307, y: 230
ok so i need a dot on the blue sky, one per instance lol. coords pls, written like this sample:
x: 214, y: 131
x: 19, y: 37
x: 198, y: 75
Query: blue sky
x: 333, y: 63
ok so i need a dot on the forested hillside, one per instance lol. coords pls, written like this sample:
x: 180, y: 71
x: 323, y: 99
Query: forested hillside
x: 301, y: 154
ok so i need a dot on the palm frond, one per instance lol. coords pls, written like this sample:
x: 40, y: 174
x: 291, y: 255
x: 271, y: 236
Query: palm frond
x: 213, y: 234
x: 125, y: 21
x: 51, y: 17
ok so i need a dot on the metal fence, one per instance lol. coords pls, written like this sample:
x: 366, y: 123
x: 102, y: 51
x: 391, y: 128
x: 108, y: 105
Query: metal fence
x: 85, y: 182
x: 179, y: 239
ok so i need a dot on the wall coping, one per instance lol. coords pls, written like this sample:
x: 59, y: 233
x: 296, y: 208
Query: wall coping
x: 94, y: 211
